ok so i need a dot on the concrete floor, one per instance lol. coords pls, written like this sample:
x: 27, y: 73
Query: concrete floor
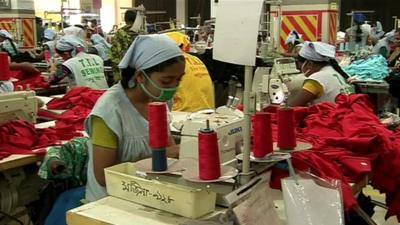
x: 379, y: 216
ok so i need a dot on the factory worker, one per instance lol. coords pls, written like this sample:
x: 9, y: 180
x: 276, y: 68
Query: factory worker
x: 325, y: 80
x: 49, y: 35
x: 293, y: 42
x: 7, y: 44
x: 151, y: 71
x: 377, y: 31
x: 76, y: 31
x: 51, y: 47
x: 196, y: 90
x: 385, y: 45
x: 357, y: 36
x: 101, y: 47
x: 81, y: 68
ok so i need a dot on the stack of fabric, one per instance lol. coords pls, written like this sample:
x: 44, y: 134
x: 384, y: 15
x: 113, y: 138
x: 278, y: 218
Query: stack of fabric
x: 349, y: 143
x: 374, y: 68
x: 78, y: 102
x: 21, y: 137
x: 28, y: 81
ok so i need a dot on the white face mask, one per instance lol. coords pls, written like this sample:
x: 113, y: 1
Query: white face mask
x: 306, y: 73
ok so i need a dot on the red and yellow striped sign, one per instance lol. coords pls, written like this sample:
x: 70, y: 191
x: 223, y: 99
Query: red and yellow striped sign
x: 28, y: 33
x: 308, y: 24
x: 332, y: 28
x: 7, y: 24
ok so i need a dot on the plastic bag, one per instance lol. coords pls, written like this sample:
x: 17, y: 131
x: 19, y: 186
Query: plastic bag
x: 312, y: 201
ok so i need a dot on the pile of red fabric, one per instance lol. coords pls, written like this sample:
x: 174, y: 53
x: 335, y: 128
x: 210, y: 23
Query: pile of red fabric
x: 349, y: 142
x: 28, y: 81
x: 21, y: 137
x: 78, y: 102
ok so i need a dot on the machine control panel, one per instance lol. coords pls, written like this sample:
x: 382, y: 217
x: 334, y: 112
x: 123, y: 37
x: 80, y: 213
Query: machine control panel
x: 283, y: 66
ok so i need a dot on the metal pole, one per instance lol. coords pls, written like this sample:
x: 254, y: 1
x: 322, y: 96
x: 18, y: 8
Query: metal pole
x: 62, y: 16
x: 278, y: 43
x: 248, y: 77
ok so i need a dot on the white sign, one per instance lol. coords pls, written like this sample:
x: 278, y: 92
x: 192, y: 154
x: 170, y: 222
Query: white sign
x: 22, y: 4
x: 236, y: 31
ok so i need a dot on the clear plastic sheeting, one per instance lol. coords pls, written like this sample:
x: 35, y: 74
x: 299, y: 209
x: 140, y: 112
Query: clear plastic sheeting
x: 312, y: 201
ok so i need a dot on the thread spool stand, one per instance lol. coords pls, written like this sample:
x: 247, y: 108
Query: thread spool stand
x: 192, y: 172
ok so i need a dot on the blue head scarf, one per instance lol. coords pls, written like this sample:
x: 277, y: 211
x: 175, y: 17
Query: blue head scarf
x: 149, y: 50
x: 70, y: 43
x: 50, y: 34
x: 97, y: 39
x: 293, y: 37
x: 5, y: 34
x: 318, y: 51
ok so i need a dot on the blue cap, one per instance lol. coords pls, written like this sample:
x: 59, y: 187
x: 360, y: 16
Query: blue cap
x: 359, y: 18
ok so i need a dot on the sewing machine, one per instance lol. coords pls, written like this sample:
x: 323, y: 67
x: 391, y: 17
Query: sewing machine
x: 273, y: 86
x: 18, y: 105
x: 229, y: 128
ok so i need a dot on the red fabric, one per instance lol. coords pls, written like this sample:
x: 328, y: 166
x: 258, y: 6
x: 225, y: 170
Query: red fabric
x: 5, y: 74
x: 21, y: 137
x: 349, y: 142
x: 28, y: 82
x: 78, y: 102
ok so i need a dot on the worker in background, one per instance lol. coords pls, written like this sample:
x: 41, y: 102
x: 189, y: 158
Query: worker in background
x: 121, y: 41
x: 395, y: 55
x: 101, y: 48
x: 39, y: 29
x: 384, y: 45
x: 62, y: 26
x: 357, y: 35
x: 113, y: 30
x: 49, y: 35
x: 51, y: 47
x: 325, y: 80
x: 95, y: 28
x: 294, y: 44
x: 196, y: 90
x: 377, y: 31
x: 8, y: 45
x: 77, y: 31
x: 81, y: 68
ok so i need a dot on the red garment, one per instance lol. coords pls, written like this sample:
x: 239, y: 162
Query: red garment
x: 349, y: 142
x: 79, y: 102
x: 26, y: 81
x: 21, y: 137
x: 5, y: 74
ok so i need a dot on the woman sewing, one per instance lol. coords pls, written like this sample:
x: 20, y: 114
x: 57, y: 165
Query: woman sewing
x: 151, y: 71
x: 325, y: 80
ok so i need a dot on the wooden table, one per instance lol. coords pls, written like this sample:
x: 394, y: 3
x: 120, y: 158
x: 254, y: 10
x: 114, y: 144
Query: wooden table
x: 112, y: 210
x: 52, y: 90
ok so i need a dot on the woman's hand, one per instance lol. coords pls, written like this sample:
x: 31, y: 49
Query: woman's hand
x: 172, y: 149
x: 27, y: 68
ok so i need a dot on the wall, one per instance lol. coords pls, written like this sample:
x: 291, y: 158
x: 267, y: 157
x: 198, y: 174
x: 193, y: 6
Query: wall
x: 202, y: 7
x: 164, y: 5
